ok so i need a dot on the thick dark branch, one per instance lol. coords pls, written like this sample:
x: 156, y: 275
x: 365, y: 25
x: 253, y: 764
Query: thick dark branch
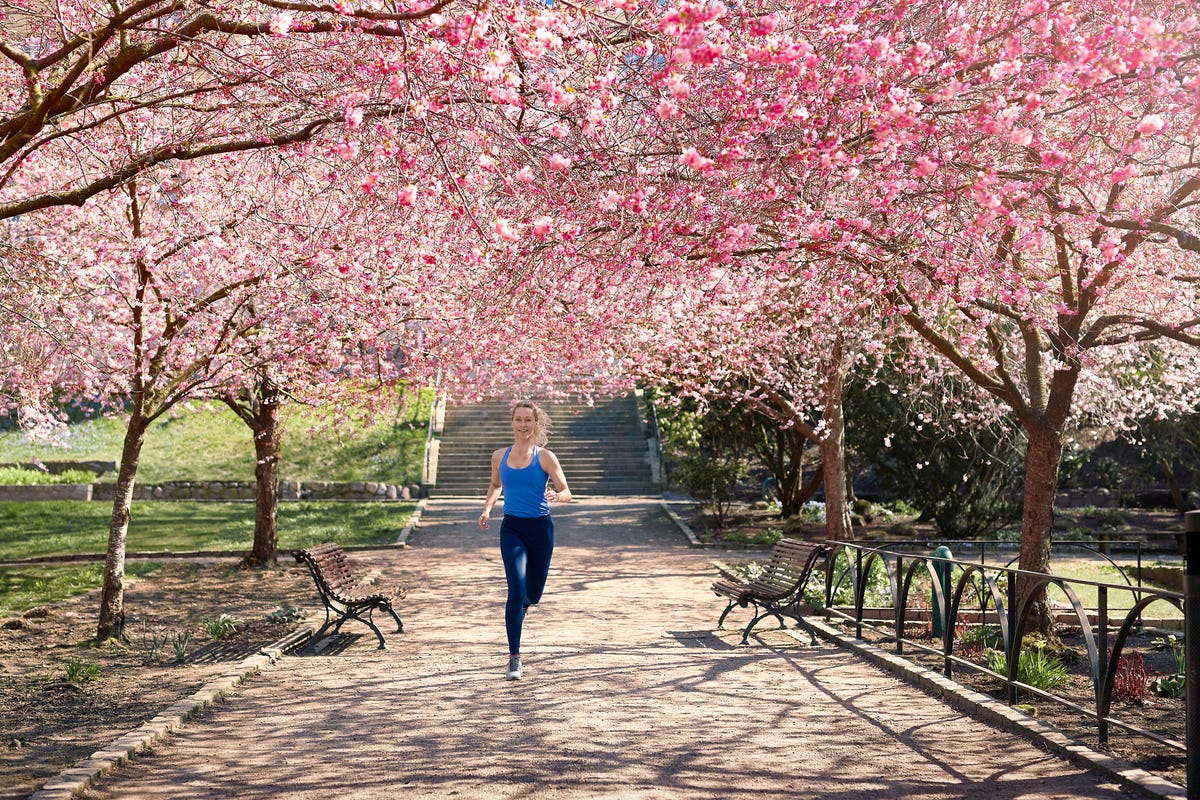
x: 87, y: 39
x: 78, y: 197
x: 1144, y: 330
x: 23, y: 61
x: 956, y: 356
x: 359, y: 13
x: 1187, y: 241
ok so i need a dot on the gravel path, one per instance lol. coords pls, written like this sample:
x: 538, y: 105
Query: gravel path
x: 627, y: 693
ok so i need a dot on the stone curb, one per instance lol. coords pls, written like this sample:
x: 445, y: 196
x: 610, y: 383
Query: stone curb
x: 686, y: 529
x: 1003, y: 716
x: 402, y: 539
x: 79, y: 777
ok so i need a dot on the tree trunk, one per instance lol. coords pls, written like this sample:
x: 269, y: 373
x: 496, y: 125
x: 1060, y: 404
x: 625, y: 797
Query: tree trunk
x: 1177, y: 498
x: 112, y: 596
x: 267, y: 437
x: 833, y: 454
x: 259, y: 409
x: 1043, y: 458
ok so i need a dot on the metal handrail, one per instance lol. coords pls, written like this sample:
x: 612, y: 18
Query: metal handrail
x: 997, y: 584
x: 662, y: 467
x: 433, y: 408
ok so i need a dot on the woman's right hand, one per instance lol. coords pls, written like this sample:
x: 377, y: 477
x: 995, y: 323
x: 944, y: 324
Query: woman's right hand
x: 483, y: 519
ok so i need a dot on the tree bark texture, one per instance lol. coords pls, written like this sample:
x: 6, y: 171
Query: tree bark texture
x: 1043, y: 458
x: 833, y: 453
x: 259, y: 409
x: 111, y: 624
x: 267, y: 438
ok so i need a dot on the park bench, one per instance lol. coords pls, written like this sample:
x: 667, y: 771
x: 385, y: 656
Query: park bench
x: 778, y: 589
x: 346, y: 595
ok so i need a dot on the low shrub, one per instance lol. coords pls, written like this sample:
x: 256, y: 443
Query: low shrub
x: 1129, y: 684
x: 222, y: 627
x: 1036, y: 667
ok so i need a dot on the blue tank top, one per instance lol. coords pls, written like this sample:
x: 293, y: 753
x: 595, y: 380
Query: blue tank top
x: 524, y: 489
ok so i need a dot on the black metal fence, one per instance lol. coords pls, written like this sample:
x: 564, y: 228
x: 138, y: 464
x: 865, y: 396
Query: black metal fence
x: 964, y: 592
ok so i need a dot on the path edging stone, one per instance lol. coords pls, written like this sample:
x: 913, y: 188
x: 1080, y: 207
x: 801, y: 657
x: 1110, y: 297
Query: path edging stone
x: 679, y: 523
x: 402, y: 539
x: 1001, y: 715
x: 77, y: 778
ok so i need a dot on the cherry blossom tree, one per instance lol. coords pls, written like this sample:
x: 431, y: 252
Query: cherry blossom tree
x: 1020, y: 185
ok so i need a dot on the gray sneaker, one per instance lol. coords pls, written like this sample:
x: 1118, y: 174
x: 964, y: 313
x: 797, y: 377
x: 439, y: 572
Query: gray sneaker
x: 514, y: 668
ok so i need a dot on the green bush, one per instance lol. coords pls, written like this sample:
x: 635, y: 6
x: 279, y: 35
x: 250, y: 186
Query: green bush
x: 768, y: 537
x: 965, y: 478
x: 1171, y: 685
x: 985, y: 636
x: 222, y: 627
x: 712, y: 479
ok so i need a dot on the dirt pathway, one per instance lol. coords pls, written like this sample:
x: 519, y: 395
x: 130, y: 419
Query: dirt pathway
x: 627, y: 694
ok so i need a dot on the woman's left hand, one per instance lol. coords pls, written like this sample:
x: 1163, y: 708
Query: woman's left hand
x: 552, y: 496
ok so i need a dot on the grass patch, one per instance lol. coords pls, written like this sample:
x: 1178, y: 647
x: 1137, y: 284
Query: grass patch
x: 15, y: 476
x: 23, y: 588
x: 209, y: 442
x: 63, y: 527
x: 1119, y: 601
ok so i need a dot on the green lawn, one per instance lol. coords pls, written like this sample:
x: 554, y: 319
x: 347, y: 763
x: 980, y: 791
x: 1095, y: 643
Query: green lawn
x: 22, y: 588
x: 1119, y: 601
x: 58, y: 528
x: 208, y: 442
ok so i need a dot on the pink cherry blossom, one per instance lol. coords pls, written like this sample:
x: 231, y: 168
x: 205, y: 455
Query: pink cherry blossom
x: 1151, y: 123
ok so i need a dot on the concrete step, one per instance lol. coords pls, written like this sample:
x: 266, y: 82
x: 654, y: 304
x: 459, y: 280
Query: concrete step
x: 602, y: 447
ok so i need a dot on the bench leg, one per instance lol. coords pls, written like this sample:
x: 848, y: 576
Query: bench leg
x: 767, y: 612
x: 370, y: 623
x: 318, y: 635
x: 724, y: 614
x: 812, y: 634
x: 395, y: 616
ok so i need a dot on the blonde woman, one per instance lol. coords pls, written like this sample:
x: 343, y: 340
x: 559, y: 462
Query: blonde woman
x: 521, y: 472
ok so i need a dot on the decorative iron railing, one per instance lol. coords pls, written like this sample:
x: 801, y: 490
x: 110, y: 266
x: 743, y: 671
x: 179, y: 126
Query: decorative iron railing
x: 963, y: 592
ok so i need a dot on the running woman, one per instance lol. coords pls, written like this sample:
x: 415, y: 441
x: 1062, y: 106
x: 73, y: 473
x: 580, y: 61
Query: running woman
x: 521, y: 471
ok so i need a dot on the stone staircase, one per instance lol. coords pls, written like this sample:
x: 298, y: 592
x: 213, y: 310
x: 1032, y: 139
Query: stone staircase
x: 603, y: 448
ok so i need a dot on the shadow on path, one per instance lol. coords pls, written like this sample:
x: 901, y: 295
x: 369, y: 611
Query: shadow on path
x: 628, y: 694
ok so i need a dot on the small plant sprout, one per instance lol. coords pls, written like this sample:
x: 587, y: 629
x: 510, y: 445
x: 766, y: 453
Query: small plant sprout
x: 222, y: 627
x: 82, y: 672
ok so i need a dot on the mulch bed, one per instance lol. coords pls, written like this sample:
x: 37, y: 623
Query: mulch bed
x: 50, y: 722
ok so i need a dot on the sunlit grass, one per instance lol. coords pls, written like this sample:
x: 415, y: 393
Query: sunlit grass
x: 1119, y: 600
x: 23, y: 588
x: 209, y: 442
x: 59, y: 528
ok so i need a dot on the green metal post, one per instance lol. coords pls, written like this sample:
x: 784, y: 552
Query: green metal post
x: 942, y: 570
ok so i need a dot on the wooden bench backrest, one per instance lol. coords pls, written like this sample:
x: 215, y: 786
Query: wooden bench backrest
x: 790, y: 563
x: 329, y: 567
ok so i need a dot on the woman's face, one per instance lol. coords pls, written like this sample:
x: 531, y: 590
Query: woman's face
x: 523, y: 422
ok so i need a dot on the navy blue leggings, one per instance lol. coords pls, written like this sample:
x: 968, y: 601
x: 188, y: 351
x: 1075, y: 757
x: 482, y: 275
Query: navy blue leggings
x: 526, y: 546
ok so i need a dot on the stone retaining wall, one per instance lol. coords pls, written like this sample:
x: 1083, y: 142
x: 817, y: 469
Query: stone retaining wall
x: 46, y: 491
x: 244, y: 490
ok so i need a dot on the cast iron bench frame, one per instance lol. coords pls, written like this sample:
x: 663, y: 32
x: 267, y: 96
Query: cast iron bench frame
x: 346, y: 595
x: 778, y: 590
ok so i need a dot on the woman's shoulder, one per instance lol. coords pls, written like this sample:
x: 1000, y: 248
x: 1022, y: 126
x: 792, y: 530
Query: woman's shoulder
x: 499, y: 453
x: 546, y: 455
